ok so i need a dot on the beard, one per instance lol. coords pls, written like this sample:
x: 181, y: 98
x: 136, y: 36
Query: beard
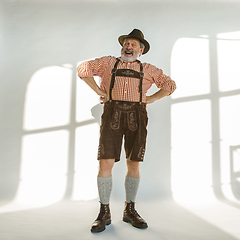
x: 132, y: 55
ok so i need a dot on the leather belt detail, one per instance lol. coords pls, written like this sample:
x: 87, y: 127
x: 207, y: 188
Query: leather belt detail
x: 127, y: 73
x: 125, y: 106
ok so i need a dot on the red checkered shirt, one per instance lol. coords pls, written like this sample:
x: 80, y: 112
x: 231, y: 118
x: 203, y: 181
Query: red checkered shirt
x: 125, y: 88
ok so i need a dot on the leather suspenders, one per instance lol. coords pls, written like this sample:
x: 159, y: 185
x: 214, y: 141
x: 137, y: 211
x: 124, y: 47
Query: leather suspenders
x: 126, y: 73
x: 114, y: 71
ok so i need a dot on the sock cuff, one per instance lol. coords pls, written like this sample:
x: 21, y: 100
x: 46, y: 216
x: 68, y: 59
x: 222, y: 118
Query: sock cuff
x: 132, y: 179
x: 104, y: 179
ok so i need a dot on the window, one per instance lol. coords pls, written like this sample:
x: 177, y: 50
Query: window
x: 59, y: 146
x: 205, y: 115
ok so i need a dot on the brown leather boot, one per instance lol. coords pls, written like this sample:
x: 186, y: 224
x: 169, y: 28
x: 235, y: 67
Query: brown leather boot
x: 103, y: 219
x: 130, y: 215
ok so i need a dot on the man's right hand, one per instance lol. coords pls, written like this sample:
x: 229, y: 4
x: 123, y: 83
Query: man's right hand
x: 103, y: 95
x: 92, y: 83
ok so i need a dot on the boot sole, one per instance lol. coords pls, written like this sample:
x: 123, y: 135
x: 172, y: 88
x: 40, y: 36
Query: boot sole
x: 129, y: 221
x: 101, y: 230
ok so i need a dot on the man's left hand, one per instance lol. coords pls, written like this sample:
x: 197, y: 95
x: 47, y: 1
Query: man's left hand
x: 156, y: 96
x: 150, y: 99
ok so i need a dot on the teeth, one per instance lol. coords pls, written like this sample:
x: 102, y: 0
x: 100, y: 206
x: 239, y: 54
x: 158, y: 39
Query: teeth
x: 128, y: 52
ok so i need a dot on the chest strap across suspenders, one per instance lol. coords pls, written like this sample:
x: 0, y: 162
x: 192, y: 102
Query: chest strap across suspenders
x: 126, y: 73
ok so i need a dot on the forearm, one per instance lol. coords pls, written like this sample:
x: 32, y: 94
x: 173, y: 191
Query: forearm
x: 158, y: 95
x: 93, y: 85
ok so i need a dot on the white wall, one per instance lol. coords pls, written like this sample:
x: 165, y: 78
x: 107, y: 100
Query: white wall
x: 43, y: 122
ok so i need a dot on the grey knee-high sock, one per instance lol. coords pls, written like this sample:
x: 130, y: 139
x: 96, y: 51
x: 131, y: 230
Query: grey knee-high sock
x: 131, y: 188
x: 104, y: 189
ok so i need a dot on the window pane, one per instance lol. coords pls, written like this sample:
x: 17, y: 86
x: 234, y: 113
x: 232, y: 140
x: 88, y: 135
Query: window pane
x: 190, y: 67
x: 191, y: 151
x: 48, y: 98
x: 86, y: 164
x: 43, y: 167
x: 228, y: 60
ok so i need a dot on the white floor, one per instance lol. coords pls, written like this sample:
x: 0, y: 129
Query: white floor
x: 69, y: 220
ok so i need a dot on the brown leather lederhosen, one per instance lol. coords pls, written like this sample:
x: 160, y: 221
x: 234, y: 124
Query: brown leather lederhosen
x: 123, y: 118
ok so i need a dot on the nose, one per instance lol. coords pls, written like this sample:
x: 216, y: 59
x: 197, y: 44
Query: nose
x: 128, y: 47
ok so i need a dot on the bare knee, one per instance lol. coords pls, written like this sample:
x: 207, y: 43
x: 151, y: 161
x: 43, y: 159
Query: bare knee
x: 133, y: 169
x: 105, y: 167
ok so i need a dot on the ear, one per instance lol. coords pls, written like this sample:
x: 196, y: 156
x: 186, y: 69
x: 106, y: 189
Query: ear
x: 141, y: 51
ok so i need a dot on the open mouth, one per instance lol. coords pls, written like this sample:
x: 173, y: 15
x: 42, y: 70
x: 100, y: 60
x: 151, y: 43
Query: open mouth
x: 128, y: 52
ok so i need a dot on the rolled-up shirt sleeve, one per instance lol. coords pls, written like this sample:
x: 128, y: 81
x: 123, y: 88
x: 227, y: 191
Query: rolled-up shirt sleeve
x: 162, y: 80
x: 84, y: 70
x: 92, y: 68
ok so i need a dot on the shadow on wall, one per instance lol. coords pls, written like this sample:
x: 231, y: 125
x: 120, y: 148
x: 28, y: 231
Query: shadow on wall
x: 49, y: 135
x: 206, y: 112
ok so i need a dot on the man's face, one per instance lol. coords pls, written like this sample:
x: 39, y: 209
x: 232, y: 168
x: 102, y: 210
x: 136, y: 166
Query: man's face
x: 131, y: 50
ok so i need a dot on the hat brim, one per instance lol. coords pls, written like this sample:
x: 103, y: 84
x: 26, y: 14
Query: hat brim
x: 146, y: 44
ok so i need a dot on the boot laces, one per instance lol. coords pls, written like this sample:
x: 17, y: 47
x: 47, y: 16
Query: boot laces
x: 102, y: 212
x: 134, y: 211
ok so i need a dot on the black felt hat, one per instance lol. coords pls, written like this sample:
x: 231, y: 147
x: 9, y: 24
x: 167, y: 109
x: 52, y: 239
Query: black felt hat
x: 136, y: 33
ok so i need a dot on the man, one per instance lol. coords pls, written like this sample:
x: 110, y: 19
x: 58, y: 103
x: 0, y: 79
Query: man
x: 124, y: 84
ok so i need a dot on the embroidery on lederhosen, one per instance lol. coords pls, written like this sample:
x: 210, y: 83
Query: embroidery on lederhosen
x: 125, y: 106
x: 141, y: 153
x: 132, y: 124
x: 115, y: 123
x: 101, y: 150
